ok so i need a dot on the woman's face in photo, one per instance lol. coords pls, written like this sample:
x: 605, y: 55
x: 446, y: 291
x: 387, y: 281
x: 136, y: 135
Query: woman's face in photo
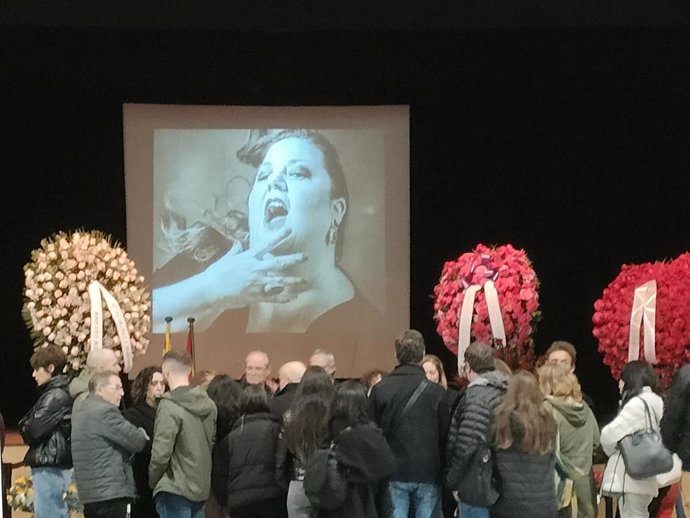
x: 292, y: 190
x: 431, y: 372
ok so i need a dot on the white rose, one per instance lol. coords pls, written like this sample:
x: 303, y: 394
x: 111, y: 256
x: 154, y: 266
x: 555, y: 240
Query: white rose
x: 81, y: 337
x: 116, y: 275
x: 80, y: 274
x: 51, y: 338
x: 68, y: 340
x: 46, y: 331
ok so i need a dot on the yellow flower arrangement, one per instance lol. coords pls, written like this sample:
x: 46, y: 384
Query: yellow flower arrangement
x: 20, y: 496
x: 56, y: 297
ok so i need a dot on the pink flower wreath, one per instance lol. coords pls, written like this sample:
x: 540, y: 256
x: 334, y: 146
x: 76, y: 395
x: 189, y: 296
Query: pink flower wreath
x: 516, y: 284
x: 611, y: 317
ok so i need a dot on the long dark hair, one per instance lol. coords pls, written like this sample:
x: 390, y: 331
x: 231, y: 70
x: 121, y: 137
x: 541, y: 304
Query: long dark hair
x: 254, y: 400
x: 306, y: 422
x: 636, y: 375
x: 140, y: 385
x: 349, y: 407
x: 225, y: 392
x: 521, y: 419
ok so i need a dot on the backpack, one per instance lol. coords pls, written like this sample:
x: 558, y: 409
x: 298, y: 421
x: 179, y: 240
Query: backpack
x: 324, y: 480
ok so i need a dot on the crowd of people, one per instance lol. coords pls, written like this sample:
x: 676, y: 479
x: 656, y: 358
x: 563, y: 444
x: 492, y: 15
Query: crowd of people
x: 400, y: 444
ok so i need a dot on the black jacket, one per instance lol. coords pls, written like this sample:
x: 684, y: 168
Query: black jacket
x: 46, y: 427
x: 526, y: 485
x: 144, y: 416
x: 280, y: 403
x: 675, y: 423
x: 244, y: 462
x: 470, y: 426
x: 417, y: 440
x: 366, y: 459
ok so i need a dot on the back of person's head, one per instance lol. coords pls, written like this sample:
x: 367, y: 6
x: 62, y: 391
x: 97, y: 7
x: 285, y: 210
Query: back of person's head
x: 141, y: 383
x: 225, y: 392
x: 102, y: 360
x: 290, y: 372
x: 558, y: 381
x: 521, y: 419
x: 44, y: 357
x: 100, y: 380
x: 480, y: 357
x: 306, y: 421
x: 202, y: 378
x: 636, y: 375
x: 372, y: 377
x: 503, y: 367
x: 177, y: 363
x: 254, y: 400
x: 409, y: 348
x: 349, y: 406
x: 315, y: 381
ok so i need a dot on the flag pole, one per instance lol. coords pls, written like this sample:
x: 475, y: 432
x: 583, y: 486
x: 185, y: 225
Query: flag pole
x: 167, y: 343
x: 190, y: 343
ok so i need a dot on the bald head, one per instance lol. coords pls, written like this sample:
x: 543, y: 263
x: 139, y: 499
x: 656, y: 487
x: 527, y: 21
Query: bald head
x: 102, y: 360
x: 291, y: 372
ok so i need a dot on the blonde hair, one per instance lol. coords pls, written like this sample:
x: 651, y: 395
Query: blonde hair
x: 436, y: 362
x: 556, y: 380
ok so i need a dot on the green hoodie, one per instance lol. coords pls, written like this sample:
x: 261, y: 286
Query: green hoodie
x: 579, y: 437
x: 182, y: 442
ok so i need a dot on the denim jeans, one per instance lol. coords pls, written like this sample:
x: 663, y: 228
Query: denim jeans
x: 169, y: 505
x: 470, y: 511
x: 424, y: 498
x: 50, y: 484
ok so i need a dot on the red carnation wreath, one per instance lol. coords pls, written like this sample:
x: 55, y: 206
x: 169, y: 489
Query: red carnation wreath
x: 517, y: 286
x: 612, y: 313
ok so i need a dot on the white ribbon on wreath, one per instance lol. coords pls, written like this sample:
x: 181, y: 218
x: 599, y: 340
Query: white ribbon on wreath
x: 97, y: 294
x: 465, y: 319
x: 643, y: 311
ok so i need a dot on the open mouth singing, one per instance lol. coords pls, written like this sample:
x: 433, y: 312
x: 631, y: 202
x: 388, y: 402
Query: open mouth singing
x: 276, y: 212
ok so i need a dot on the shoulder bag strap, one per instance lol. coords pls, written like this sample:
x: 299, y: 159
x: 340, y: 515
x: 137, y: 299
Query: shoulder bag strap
x: 413, y: 398
x: 648, y: 415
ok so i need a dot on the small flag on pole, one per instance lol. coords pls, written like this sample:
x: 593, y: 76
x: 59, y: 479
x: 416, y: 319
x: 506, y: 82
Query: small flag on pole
x: 190, y: 343
x: 167, y: 344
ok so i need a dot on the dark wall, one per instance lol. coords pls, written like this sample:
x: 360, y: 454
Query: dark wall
x: 569, y: 142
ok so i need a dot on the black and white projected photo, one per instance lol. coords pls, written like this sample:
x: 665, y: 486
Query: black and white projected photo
x: 283, y: 237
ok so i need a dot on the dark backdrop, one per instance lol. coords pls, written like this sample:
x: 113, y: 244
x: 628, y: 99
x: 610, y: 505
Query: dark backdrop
x: 568, y: 139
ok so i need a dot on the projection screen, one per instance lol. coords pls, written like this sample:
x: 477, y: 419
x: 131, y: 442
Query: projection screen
x: 282, y: 229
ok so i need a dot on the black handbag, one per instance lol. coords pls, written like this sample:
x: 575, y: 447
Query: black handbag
x: 478, y: 486
x: 325, y: 482
x: 643, y: 452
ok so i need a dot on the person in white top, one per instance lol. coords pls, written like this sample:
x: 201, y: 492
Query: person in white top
x: 638, y: 385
